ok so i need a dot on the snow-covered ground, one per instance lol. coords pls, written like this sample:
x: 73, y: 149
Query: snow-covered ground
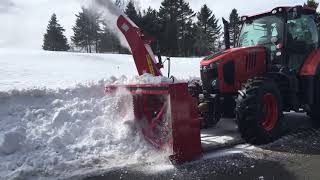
x: 21, y: 69
x: 57, y: 122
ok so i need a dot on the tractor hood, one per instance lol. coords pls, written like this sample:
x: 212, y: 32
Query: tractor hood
x: 233, y: 53
x: 225, y: 71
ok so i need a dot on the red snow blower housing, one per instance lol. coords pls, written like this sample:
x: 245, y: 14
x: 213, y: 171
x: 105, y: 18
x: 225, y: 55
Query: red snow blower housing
x: 166, y: 113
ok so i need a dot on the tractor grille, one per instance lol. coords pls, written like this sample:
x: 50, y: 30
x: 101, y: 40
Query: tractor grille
x: 251, y: 61
x: 207, y: 76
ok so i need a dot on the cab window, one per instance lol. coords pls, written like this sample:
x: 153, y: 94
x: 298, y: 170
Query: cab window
x: 304, y: 29
x: 302, y: 38
x: 261, y: 31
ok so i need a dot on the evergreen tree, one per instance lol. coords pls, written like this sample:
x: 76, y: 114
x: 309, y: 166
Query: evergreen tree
x: 54, y: 40
x: 150, y: 22
x: 208, y: 31
x: 168, y: 17
x: 87, y: 30
x: 234, y: 29
x: 312, y: 4
x: 185, y: 15
x: 132, y: 13
x: 109, y: 42
x: 190, y: 39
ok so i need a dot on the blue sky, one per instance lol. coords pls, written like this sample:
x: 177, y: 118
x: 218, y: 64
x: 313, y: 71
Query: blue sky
x: 24, y: 21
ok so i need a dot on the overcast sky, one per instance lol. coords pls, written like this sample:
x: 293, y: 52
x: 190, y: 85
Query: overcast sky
x: 23, y: 22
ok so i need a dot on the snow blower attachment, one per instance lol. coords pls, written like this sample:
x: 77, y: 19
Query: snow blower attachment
x: 166, y: 113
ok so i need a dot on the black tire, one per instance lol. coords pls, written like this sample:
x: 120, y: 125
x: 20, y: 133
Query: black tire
x: 259, y: 111
x: 228, y: 107
x: 314, y: 114
x: 209, y: 120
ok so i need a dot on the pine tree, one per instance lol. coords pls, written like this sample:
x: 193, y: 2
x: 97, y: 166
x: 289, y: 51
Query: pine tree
x: 234, y: 29
x: 312, y: 4
x: 54, y: 40
x: 87, y: 30
x: 168, y: 16
x: 208, y: 31
x: 150, y: 22
x: 185, y: 15
x: 108, y: 41
x: 190, y: 39
x: 132, y: 13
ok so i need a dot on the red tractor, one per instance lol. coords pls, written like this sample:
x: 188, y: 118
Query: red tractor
x: 274, y: 69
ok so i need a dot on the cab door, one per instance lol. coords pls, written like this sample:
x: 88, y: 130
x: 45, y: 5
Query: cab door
x: 302, y: 39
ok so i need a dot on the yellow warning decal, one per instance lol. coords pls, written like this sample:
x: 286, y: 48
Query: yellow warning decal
x: 149, y: 60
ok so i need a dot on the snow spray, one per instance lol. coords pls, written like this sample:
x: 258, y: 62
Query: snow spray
x: 109, y: 13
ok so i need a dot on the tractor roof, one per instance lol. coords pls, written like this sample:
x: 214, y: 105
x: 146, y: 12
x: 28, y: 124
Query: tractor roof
x: 306, y: 10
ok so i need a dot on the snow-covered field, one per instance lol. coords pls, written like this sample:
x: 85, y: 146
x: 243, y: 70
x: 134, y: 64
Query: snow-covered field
x: 21, y: 69
x: 57, y: 122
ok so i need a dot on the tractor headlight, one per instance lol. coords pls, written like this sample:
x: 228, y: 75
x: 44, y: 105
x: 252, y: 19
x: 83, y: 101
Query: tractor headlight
x: 209, y: 77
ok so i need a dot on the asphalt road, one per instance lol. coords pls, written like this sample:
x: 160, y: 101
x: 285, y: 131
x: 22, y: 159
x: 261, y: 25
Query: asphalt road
x: 296, y: 156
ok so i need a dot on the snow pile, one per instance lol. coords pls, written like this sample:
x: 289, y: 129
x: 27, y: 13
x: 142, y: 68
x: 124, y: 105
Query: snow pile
x: 12, y: 141
x: 145, y: 79
x: 68, y: 133
x: 75, y: 130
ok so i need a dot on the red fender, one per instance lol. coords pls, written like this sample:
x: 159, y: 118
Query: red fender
x: 310, y: 66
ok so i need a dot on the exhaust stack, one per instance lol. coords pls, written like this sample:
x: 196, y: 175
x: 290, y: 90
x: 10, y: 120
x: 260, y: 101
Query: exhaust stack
x: 226, y: 33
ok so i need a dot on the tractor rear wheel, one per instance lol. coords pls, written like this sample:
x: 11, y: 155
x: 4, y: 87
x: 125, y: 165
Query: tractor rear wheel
x: 259, y: 111
x: 314, y: 114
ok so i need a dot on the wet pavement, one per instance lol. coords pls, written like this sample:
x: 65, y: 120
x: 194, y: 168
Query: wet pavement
x: 296, y: 156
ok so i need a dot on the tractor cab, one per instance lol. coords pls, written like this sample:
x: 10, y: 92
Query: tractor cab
x: 264, y: 30
x: 289, y: 34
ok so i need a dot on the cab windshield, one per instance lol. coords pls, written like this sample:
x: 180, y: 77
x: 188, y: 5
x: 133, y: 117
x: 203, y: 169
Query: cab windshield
x: 262, y: 31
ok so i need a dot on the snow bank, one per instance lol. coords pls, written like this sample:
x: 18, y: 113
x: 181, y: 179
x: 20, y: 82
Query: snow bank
x: 145, y: 79
x: 12, y: 141
x: 47, y: 132
x: 69, y: 132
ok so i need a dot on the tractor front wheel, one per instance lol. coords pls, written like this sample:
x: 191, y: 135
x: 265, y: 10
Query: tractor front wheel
x: 259, y: 111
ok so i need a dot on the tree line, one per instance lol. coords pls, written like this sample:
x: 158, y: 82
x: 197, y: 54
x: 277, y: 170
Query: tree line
x: 180, y: 30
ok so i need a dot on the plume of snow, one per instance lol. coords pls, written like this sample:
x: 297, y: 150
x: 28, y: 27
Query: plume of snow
x: 109, y: 13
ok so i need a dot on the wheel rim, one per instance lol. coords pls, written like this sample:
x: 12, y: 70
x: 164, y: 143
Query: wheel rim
x: 270, y: 108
